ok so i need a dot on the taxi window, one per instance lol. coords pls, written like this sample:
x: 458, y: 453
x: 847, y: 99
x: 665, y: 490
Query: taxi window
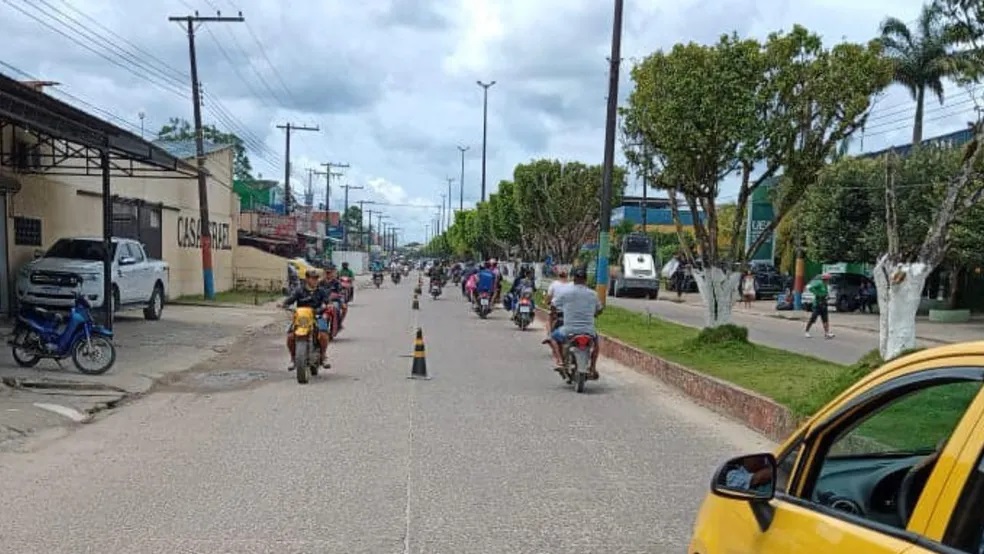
x: 966, y: 530
x: 865, y: 466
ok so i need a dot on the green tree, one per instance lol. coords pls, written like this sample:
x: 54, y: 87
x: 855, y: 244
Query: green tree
x: 740, y: 107
x: 178, y: 129
x: 557, y: 205
x: 923, y: 56
x: 352, y: 221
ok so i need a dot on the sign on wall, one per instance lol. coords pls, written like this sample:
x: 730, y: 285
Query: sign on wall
x: 760, y: 216
x: 275, y: 225
x: 189, y: 234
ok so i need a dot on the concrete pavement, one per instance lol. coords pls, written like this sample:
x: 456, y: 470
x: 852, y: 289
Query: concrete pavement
x: 494, y: 454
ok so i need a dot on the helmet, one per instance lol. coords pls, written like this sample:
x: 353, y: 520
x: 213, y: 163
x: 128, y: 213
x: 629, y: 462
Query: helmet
x: 345, y: 265
x: 312, y: 273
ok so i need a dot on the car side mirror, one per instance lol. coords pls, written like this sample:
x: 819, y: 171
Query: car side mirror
x: 751, y: 477
x: 38, y: 254
x: 127, y: 260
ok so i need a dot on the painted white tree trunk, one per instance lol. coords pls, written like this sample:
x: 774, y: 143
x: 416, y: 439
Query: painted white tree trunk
x: 719, y: 290
x: 899, y: 287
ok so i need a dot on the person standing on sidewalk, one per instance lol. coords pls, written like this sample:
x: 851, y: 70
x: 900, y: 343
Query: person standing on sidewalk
x: 820, y: 293
x: 748, y: 289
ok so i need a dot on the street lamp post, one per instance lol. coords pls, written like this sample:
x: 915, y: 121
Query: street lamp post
x: 461, y: 180
x: 485, y: 127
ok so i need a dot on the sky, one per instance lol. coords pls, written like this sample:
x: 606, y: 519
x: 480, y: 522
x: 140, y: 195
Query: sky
x: 391, y: 84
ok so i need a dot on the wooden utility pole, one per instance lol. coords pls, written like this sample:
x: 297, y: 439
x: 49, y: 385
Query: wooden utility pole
x: 328, y: 175
x: 290, y: 127
x: 205, y: 227
x: 344, y: 219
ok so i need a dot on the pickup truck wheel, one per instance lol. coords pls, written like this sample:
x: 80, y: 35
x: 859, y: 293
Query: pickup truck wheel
x: 155, y: 307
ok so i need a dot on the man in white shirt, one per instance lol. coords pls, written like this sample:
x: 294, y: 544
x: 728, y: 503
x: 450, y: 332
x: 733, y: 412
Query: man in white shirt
x: 556, y: 288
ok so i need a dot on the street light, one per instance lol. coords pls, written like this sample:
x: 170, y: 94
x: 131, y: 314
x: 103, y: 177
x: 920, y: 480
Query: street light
x: 485, y: 127
x: 461, y: 181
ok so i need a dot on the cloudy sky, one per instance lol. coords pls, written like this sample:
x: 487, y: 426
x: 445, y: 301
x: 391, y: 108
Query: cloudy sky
x: 392, y: 83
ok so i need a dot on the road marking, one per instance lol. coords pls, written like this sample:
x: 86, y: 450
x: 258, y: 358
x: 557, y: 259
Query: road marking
x: 409, y: 481
x: 70, y: 413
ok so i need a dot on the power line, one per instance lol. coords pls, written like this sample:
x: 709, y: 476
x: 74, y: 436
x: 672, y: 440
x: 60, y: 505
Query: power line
x: 263, y: 53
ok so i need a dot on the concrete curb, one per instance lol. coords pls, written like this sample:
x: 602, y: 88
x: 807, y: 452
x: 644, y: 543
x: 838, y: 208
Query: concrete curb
x: 753, y: 410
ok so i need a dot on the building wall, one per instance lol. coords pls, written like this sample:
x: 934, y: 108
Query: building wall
x: 70, y: 206
x: 256, y: 269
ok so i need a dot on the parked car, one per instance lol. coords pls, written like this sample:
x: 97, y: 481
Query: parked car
x: 843, y: 288
x: 769, y: 283
x: 893, y: 464
x: 137, y: 279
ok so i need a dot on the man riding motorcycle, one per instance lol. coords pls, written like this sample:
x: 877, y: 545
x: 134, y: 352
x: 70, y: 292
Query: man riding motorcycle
x: 346, y: 271
x: 309, y: 295
x: 580, y: 305
x: 436, y: 274
x: 523, y: 281
x: 484, y: 281
x: 335, y: 293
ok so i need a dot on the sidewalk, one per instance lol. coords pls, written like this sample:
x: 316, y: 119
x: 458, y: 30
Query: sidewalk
x: 46, y: 396
x: 943, y: 333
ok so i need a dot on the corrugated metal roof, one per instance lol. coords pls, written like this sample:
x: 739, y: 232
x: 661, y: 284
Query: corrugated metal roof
x: 185, y: 149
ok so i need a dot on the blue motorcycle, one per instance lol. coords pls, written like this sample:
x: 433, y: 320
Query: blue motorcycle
x: 41, y: 334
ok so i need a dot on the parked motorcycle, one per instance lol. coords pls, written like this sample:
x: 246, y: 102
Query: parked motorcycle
x: 524, y: 312
x: 348, y: 289
x: 577, y: 351
x: 41, y: 334
x: 334, y: 314
x: 435, y: 288
x: 395, y: 276
x: 377, y: 278
x: 307, y: 352
x: 483, y: 305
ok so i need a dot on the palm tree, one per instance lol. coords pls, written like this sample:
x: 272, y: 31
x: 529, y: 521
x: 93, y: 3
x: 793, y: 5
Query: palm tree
x: 924, y: 56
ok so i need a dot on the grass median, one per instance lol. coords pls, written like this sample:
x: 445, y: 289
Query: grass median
x: 236, y: 296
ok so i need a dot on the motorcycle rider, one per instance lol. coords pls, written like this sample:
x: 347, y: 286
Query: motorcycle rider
x: 436, y: 274
x: 523, y: 281
x: 471, y: 269
x: 346, y: 272
x: 333, y: 288
x: 581, y: 306
x: 485, y: 281
x: 309, y: 295
x: 556, y: 288
x: 494, y: 266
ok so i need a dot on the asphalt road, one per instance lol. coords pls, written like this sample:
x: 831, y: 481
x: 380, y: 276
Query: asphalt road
x: 846, y: 347
x: 494, y: 454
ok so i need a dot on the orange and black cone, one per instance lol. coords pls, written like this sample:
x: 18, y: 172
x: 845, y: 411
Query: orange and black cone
x: 416, y: 302
x: 419, y: 368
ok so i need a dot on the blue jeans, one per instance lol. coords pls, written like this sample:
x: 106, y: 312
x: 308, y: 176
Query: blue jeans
x: 560, y: 335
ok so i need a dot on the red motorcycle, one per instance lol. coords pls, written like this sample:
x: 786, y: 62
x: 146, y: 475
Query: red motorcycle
x: 333, y: 317
x: 348, y: 288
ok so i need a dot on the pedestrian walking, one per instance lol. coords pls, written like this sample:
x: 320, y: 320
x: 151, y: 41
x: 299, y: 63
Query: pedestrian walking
x: 820, y: 292
x: 748, y: 288
x: 865, y: 298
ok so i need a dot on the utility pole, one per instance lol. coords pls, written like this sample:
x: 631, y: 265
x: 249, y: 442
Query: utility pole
x: 379, y: 224
x: 427, y: 235
x: 329, y: 174
x: 362, y: 219
x: 290, y: 127
x: 369, y: 235
x: 309, y: 195
x: 605, y: 216
x: 205, y: 227
x: 485, y: 127
x: 344, y: 219
x: 450, y: 180
x: 440, y: 215
x: 461, y: 181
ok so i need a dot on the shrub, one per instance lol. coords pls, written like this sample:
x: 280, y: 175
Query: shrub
x: 722, y: 334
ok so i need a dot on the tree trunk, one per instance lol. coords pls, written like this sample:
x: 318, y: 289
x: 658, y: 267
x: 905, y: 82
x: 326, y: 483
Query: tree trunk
x: 899, y: 286
x: 954, y: 279
x: 917, y: 126
x: 719, y: 290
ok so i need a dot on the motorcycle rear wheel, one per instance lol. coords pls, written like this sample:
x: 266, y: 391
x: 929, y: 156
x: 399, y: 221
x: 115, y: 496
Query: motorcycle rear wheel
x: 78, y: 351
x: 22, y: 356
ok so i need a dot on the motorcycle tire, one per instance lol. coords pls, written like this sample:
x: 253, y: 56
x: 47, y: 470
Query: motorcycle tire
x: 302, y: 362
x: 579, y: 378
x: 21, y: 336
x: 77, y: 353
x: 524, y: 323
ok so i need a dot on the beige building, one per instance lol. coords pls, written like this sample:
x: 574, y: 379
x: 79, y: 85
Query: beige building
x: 157, y: 207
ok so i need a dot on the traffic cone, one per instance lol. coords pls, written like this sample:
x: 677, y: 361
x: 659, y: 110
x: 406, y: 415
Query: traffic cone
x: 419, y: 368
x: 416, y: 302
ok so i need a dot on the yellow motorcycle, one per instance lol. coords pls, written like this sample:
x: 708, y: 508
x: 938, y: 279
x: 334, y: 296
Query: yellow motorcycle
x: 307, y: 352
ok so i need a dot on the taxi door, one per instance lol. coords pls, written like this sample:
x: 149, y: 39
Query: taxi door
x: 802, y: 522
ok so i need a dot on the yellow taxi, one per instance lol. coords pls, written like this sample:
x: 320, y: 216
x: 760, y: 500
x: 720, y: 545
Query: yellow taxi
x: 894, y: 464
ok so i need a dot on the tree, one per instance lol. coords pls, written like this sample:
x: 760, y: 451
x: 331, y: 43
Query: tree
x: 910, y: 214
x: 352, y: 222
x: 923, y: 56
x: 557, y: 205
x: 178, y: 129
x: 740, y: 107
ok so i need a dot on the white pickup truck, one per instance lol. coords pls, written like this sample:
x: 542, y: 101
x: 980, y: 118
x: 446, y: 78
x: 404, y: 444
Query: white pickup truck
x: 138, y: 281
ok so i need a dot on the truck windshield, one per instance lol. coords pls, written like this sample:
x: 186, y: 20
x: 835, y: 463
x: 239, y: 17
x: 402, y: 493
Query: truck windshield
x: 76, y: 249
x: 637, y: 245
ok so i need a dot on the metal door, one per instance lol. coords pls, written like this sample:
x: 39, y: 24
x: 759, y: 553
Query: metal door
x: 5, y: 288
x: 134, y: 219
x: 150, y: 231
